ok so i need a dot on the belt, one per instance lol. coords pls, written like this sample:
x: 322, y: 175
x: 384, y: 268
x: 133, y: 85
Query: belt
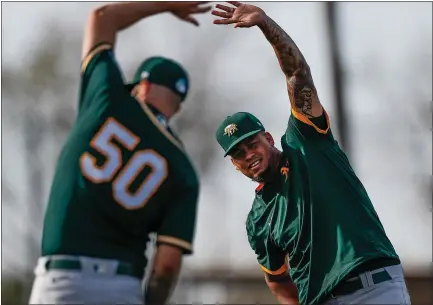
x: 352, y: 284
x: 71, y: 264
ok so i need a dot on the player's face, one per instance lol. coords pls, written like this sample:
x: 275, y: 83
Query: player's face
x: 252, y: 156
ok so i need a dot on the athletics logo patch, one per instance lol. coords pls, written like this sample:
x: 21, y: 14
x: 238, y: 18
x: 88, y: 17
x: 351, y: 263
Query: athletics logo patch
x: 230, y: 130
x: 284, y: 171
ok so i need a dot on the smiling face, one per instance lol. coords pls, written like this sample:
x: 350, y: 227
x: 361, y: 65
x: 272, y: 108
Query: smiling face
x: 252, y: 156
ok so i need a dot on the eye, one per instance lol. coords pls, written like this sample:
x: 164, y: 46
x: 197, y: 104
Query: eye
x: 253, y: 145
x: 235, y: 154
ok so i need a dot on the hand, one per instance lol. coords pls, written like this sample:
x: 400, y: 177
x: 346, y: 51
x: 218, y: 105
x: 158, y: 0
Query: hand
x: 184, y: 10
x: 243, y: 16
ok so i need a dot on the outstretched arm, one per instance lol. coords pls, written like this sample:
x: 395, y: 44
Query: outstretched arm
x: 105, y: 21
x: 301, y: 89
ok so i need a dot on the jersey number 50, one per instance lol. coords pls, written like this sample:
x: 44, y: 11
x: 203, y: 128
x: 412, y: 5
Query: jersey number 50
x: 102, y: 142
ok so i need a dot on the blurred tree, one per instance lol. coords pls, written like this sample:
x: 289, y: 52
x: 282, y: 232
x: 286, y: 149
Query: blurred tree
x: 31, y: 94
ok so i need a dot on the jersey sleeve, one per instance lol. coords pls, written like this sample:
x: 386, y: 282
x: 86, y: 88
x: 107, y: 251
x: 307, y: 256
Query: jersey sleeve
x: 271, y: 259
x: 178, y: 225
x: 315, y: 127
x: 303, y: 129
x: 101, y: 78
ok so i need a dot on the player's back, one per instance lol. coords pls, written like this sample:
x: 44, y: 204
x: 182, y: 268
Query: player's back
x: 120, y: 176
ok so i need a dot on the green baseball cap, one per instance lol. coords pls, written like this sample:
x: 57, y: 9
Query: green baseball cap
x: 165, y: 72
x: 236, y: 128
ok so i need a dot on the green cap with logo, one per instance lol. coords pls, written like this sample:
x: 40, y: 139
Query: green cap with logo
x: 165, y: 72
x: 236, y: 128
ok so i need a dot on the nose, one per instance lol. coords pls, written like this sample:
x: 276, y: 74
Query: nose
x: 249, y: 155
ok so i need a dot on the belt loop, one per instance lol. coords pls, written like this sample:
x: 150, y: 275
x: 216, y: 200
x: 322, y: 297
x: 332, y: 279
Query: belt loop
x: 369, y: 277
x: 364, y: 279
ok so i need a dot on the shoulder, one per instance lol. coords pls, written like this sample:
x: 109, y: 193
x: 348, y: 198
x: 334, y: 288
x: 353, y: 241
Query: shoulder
x: 101, y: 50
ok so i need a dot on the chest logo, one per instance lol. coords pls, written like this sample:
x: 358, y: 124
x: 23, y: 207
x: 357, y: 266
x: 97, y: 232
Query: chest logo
x: 230, y: 130
x: 284, y: 171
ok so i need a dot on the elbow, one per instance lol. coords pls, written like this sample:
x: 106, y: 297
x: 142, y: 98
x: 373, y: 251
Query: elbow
x: 167, y: 269
x: 284, y: 290
x: 100, y: 12
x: 168, y: 260
x: 102, y: 17
x: 275, y: 287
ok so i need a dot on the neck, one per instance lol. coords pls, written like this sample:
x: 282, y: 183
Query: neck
x: 273, y: 170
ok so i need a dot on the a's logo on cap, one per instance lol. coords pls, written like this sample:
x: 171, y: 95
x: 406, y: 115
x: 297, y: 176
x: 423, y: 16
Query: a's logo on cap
x: 230, y: 130
x: 181, y: 86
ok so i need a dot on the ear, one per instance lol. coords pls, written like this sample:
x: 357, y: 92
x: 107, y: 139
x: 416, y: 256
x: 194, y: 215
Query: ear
x: 141, y: 90
x: 145, y: 87
x: 235, y: 165
x: 269, y: 138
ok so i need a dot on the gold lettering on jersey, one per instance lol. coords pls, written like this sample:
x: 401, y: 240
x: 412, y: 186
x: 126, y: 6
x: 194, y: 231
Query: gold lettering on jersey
x: 285, y: 171
x: 230, y: 130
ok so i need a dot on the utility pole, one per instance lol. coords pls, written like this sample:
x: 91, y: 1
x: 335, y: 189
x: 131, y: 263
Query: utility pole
x: 338, y: 76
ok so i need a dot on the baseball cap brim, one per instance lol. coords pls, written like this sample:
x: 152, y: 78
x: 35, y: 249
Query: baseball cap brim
x: 240, y: 139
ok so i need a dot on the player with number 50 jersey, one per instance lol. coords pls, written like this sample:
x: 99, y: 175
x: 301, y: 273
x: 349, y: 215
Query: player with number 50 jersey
x: 122, y: 174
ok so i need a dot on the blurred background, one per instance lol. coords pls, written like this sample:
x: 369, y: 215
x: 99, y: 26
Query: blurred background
x: 372, y: 66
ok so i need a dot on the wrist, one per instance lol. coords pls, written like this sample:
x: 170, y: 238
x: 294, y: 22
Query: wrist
x: 262, y: 20
x: 168, y: 6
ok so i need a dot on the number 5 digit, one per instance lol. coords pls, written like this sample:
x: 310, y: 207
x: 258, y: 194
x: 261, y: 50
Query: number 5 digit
x: 102, y: 142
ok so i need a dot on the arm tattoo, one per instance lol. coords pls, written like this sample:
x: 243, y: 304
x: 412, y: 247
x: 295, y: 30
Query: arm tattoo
x: 300, y: 84
x: 159, y: 289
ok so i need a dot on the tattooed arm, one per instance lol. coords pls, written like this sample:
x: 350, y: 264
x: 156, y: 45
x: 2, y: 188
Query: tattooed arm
x: 301, y: 89
x: 166, y: 267
x: 302, y: 93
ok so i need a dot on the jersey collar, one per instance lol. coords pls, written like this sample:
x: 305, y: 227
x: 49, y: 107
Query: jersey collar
x: 283, y: 170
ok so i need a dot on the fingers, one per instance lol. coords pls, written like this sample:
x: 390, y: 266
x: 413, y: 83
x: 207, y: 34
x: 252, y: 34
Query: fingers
x: 225, y: 8
x: 235, y: 3
x: 222, y: 14
x: 201, y: 9
x: 224, y: 21
x: 191, y: 20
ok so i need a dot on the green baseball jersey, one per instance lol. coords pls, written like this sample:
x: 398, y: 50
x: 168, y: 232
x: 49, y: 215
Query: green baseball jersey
x: 317, y: 214
x: 120, y: 176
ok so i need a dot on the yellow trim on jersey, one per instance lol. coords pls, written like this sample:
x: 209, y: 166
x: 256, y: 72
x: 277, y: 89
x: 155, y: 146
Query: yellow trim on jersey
x: 158, y: 124
x: 280, y: 270
x: 175, y: 241
x: 307, y: 121
x: 93, y: 53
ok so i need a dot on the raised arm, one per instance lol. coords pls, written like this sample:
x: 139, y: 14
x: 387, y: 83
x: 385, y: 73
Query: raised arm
x: 301, y: 89
x: 105, y: 21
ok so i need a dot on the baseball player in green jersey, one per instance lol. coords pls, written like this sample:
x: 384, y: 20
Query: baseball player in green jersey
x: 312, y: 225
x: 121, y: 175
